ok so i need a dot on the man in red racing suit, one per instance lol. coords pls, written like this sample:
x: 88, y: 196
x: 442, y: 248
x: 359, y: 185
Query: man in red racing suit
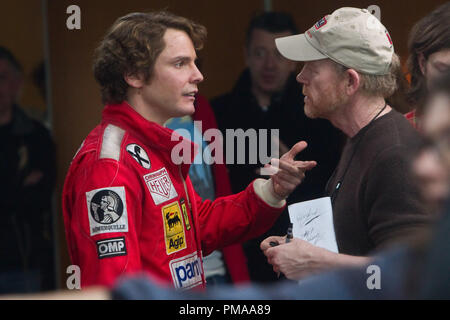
x: 128, y: 207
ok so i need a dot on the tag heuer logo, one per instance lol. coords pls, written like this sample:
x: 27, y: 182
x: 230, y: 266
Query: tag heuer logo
x: 160, y: 186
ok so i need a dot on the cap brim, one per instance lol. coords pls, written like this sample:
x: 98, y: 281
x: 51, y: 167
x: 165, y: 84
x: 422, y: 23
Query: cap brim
x: 298, y: 48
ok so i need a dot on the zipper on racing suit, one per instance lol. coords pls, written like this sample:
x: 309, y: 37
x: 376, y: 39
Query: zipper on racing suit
x: 199, y: 250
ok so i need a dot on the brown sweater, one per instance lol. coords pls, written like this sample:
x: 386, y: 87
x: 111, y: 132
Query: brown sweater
x: 377, y: 202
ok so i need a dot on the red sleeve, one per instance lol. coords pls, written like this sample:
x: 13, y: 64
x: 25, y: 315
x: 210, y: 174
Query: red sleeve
x: 103, y: 216
x: 233, y: 219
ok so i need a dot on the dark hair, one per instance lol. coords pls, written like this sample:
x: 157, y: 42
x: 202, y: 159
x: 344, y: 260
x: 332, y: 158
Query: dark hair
x: 429, y: 35
x: 6, y: 54
x: 132, y: 45
x: 273, y: 22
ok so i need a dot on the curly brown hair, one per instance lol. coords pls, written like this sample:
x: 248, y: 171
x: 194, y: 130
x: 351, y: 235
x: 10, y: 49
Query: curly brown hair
x: 429, y: 35
x: 131, y: 47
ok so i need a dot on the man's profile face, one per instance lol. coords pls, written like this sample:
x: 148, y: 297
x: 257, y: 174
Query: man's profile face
x: 322, y: 87
x: 104, y: 203
x: 268, y: 69
x: 173, y: 84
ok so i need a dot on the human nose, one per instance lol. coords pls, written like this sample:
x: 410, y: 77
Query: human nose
x: 197, y: 76
x: 301, y: 77
x: 270, y: 61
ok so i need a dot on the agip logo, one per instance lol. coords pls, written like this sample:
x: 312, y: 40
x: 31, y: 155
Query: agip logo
x: 174, y: 234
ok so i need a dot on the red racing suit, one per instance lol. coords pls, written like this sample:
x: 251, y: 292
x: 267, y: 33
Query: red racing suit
x: 129, y: 208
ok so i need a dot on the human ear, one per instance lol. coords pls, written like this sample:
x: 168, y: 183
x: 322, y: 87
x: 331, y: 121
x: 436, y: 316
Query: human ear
x: 353, y: 81
x: 134, y: 80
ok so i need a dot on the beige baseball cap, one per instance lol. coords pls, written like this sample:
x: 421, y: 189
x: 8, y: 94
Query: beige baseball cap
x: 350, y: 36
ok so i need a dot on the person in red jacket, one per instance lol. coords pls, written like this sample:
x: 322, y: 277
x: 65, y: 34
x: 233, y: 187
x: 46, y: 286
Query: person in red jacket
x: 128, y: 203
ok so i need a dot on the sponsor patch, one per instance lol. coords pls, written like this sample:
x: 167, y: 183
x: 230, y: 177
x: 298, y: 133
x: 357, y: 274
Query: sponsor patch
x: 321, y: 23
x: 107, y: 210
x: 186, y: 271
x: 185, y: 214
x: 174, y: 235
x: 160, y: 186
x: 138, y: 153
x: 111, y: 247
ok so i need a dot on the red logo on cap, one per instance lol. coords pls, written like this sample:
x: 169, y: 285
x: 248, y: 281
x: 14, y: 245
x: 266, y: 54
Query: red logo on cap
x: 321, y: 23
x: 389, y: 37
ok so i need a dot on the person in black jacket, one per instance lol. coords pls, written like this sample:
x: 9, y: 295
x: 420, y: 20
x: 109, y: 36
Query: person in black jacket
x: 27, y: 173
x: 266, y: 96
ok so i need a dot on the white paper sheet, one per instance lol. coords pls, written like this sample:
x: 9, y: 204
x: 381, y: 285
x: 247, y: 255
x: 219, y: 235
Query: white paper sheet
x: 313, y: 222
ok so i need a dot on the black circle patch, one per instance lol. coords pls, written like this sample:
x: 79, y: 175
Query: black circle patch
x: 138, y: 153
x: 106, y: 207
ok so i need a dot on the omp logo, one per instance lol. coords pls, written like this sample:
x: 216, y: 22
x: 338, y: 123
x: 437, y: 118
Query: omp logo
x: 111, y: 247
x: 186, y: 271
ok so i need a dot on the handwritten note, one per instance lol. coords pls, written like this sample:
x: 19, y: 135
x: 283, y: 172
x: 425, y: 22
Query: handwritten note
x: 313, y: 222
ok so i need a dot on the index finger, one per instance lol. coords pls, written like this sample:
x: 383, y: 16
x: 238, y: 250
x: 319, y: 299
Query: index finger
x: 296, y: 149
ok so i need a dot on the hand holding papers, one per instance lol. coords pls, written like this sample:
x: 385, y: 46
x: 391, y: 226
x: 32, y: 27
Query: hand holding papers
x: 313, y: 248
x: 313, y: 222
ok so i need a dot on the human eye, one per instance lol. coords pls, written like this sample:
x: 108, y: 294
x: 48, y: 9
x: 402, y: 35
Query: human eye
x: 259, y: 53
x: 178, y: 64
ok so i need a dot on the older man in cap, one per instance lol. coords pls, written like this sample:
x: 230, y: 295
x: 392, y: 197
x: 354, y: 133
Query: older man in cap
x: 349, y: 71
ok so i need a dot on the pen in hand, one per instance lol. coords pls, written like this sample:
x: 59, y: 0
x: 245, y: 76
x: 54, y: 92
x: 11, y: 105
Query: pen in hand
x: 274, y: 244
x: 289, y: 235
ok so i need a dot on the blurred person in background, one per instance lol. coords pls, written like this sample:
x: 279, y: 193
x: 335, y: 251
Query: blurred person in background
x: 27, y: 172
x: 429, y: 56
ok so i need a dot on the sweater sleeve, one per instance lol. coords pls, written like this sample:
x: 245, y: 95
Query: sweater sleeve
x: 395, y: 211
